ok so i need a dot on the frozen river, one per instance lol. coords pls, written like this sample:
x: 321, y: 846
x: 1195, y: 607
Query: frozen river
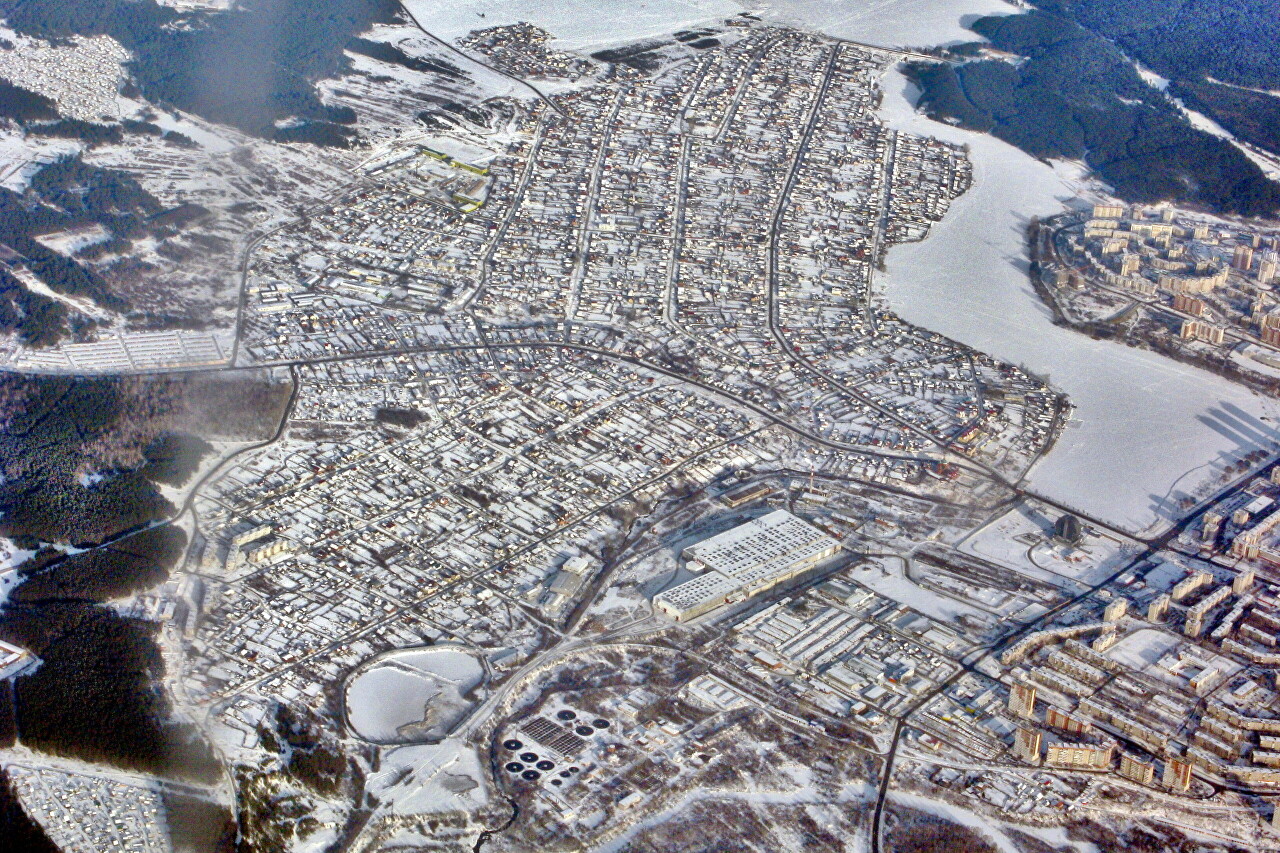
x: 1146, y: 429
x: 591, y: 24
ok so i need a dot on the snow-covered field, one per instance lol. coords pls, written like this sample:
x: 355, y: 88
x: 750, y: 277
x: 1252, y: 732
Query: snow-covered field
x: 1020, y: 539
x: 425, y: 779
x: 1146, y: 429
x: 401, y: 689
x: 886, y: 577
x: 1142, y: 649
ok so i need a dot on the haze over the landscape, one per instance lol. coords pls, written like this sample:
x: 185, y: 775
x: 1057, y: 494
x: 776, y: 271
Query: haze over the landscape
x: 666, y: 426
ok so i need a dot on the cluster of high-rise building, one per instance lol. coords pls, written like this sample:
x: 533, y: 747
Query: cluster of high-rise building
x: 1209, y: 281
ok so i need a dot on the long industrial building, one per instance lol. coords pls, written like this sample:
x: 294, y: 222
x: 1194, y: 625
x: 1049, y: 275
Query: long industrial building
x: 743, y: 562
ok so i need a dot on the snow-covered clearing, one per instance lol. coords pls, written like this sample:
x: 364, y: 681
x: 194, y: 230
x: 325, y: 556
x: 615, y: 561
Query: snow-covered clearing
x: 761, y: 797
x: 955, y: 814
x: 430, y: 779
x: 1146, y: 430
x: 11, y: 556
x: 886, y: 577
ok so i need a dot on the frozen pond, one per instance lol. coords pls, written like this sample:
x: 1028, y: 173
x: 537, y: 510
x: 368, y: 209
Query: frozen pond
x: 1146, y: 430
x: 412, y: 695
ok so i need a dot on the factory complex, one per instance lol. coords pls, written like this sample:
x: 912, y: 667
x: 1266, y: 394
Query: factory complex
x: 742, y: 562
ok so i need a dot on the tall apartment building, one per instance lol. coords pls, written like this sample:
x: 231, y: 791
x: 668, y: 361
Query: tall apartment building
x: 1080, y: 757
x: 1067, y: 723
x: 1177, y: 774
x: 1188, y: 585
x: 1026, y: 745
x: 1158, y: 608
x: 1201, y: 331
x: 1192, y: 305
x: 1136, y: 770
x: 1022, y: 700
x: 1116, y: 610
x: 1267, y: 268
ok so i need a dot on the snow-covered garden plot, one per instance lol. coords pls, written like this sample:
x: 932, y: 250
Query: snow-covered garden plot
x: 1146, y: 430
x: 412, y: 695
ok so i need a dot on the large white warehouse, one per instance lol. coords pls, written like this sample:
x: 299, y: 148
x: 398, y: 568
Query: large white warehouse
x: 745, y: 561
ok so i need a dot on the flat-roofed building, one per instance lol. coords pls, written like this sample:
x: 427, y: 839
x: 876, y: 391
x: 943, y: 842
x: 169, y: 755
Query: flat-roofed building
x: 745, y: 561
x: 1137, y: 770
x: 697, y: 596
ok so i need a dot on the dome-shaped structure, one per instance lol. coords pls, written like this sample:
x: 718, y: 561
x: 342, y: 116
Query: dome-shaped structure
x: 1067, y: 530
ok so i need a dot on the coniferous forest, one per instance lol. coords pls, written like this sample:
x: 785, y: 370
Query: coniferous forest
x: 1078, y: 94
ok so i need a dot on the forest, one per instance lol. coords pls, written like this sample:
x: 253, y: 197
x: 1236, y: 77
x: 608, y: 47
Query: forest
x: 96, y: 695
x: 56, y: 434
x: 80, y: 457
x: 23, y: 105
x: 1077, y: 96
x: 1220, y: 56
x: 1232, y: 41
x: 64, y: 194
x: 128, y: 565
x: 1251, y: 116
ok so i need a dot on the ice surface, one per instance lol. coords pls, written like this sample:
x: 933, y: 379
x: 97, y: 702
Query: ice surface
x: 1146, y: 429
x: 576, y: 24
x: 396, y: 691
x: 887, y: 23
x: 587, y: 24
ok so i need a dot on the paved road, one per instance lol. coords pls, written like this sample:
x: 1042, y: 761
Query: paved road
x: 1152, y: 547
